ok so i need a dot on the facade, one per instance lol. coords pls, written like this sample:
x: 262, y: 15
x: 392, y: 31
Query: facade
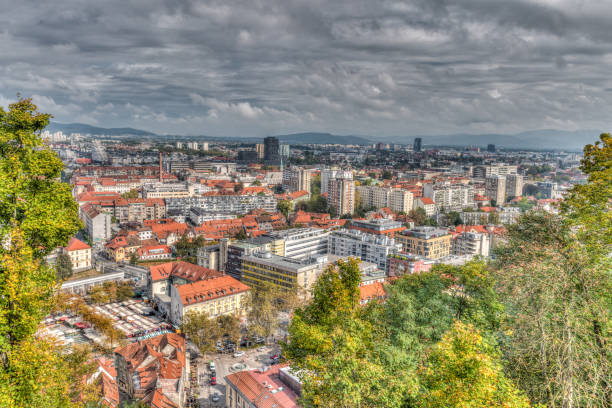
x: 402, y: 264
x: 495, y: 188
x: 417, y: 144
x: 271, y: 387
x: 236, y: 251
x: 426, y: 242
x: 283, y: 272
x: 284, y: 150
x: 154, y: 252
x: 154, y: 371
x: 330, y: 174
x: 427, y: 204
x: 216, y: 296
x: 79, y: 253
x: 493, y: 170
x: 166, y: 190
x: 260, y: 151
x: 299, y: 243
x: 271, y: 150
x: 231, y: 204
x: 367, y: 247
x: 450, y: 197
x: 208, y: 257
x: 297, y: 179
x: 514, y: 185
x: 471, y: 243
x: 379, y: 197
x: 97, y: 224
x: 341, y: 195
x: 380, y: 226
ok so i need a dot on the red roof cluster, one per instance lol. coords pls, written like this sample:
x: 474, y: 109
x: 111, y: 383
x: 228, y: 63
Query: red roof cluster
x: 184, y: 270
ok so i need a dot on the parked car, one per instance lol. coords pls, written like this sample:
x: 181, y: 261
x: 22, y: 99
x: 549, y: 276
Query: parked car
x: 213, y: 373
x: 238, y: 354
x: 215, y: 397
x: 211, y: 365
x: 213, y: 380
x: 261, y: 349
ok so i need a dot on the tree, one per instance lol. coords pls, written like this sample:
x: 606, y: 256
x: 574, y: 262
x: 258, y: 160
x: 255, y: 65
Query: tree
x: 262, y: 310
x: 257, y: 183
x: 333, y: 343
x: 285, y: 207
x: 63, y: 266
x: 37, y: 214
x: 557, y: 290
x: 229, y: 327
x: 134, y: 258
x: 464, y: 371
x: 133, y: 193
x: 201, y: 330
x: 386, y: 175
x: 494, y: 218
x: 418, y: 216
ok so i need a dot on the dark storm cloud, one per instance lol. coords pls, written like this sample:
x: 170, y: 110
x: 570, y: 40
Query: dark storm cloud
x: 252, y: 67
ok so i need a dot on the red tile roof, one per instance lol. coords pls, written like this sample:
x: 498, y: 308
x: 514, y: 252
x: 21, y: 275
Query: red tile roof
x: 262, y: 388
x: 76, y: 245
x: 183, y: 270
x: 372, y: 291
x: 426, y: 200
x: 204, y: 290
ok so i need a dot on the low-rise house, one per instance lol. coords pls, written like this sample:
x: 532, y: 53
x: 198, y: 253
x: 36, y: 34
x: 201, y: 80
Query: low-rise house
x: 372, y: 292
x: 154, y: 252
x: 79, y: 253
x: 121, y: 247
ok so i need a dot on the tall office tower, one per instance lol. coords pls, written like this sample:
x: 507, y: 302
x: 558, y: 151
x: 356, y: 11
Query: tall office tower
x: 491, y: 148
x: 260, y: 151
x: 417, y: 144
x: 341, y: 195
x: 271, y: 150
x: 495, y: 188
x: 514, y: 185
x: 205, y: 146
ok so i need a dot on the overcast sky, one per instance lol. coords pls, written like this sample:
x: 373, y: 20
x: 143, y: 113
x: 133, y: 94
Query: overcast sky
x: 257, y: 67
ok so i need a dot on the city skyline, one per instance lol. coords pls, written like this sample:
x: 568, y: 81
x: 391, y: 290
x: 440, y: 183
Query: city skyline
x: 232, y: 68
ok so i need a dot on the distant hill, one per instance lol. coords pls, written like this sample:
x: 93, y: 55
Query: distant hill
x: 321, y: 138
x: 534, y: 139
x: 94, y: 130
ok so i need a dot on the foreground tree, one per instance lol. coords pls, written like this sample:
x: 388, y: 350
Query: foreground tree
x: 557, y: 291
x: 464, y: 371
x: 37, y: 214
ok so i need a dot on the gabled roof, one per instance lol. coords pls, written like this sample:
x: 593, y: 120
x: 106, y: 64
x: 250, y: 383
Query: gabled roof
x: 426, y: 200
x: 372, y: 291
x: 185, y: 270
x: 76, y: 245
x: 264, y: 389
x: 208, y: 289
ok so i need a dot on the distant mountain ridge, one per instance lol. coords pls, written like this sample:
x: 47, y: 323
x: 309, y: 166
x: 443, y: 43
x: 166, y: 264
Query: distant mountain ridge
x: 533, y: 139
x: 322, y: 138
x: 95, y: 130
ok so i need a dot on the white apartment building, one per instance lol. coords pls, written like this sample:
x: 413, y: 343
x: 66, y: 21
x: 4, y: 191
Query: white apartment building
x: 471, y: 243
x: 367, y: 247
x: 97, y: 224
x: 378, y: 197
x: 301, y: 243
x: 297, y: 179
x: 493, y: 170
x: 330, y: 174
x: 341, y: 195
x: 450, y: 197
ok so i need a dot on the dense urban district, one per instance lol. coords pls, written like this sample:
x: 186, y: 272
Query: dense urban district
x: 184, y: 272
